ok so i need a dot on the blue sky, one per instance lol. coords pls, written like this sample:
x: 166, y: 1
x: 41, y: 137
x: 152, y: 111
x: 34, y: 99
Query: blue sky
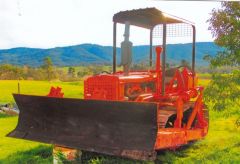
x: 54, y: 23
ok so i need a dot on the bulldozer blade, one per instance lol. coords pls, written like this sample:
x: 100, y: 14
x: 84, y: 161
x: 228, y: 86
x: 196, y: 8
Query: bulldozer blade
x: 126, y: 129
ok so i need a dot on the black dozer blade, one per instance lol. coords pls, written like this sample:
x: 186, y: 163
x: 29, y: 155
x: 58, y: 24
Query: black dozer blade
x: 125, y: 129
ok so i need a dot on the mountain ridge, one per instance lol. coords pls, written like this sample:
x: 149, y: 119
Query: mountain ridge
x: 86, y: 54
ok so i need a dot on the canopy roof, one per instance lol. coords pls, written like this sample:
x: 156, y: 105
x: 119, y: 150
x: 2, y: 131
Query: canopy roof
x: 146, y: 18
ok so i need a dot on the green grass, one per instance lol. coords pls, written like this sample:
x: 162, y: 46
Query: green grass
x: 203, y: 82
x: 204, y: 76
x: 9, y: 146
x: 222, y: 144
x: 7, y: 87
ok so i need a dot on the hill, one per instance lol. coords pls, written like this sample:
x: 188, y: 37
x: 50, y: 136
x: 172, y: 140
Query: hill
x: 85, y: 54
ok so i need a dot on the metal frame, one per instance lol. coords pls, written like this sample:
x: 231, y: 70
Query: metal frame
x: 164, y: 57
x: 114, y: 46
x: 193, y: 48
x: 150, y: 47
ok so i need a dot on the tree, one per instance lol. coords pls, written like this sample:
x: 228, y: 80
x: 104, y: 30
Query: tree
x: 10, y: 72
x: 185, y: 63
x: 224, y: 92
x: 225, y: 27
x: 48, y: 67
x: 82, y: 73
x: 71, y: 71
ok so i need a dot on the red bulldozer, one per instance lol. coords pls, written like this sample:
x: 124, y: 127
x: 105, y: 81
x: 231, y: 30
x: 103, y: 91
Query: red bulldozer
x: 126, y: 113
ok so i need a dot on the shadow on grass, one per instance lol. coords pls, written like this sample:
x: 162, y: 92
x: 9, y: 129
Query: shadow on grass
x: 164, y: 156
x: 171, y: 155
x: 97, y: 158
x: 43, y: 154
x: 40, y: 154
x: 5, y: 115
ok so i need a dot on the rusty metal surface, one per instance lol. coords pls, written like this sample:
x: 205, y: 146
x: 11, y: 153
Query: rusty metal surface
x: 108, y: 127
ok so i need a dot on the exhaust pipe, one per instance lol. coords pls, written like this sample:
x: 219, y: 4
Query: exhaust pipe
x: 126, y: 50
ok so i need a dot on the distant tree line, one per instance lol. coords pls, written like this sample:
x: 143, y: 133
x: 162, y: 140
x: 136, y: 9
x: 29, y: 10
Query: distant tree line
x: 47, y: 71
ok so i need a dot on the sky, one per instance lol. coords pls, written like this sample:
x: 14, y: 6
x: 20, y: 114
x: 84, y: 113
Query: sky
x: 57, y: 23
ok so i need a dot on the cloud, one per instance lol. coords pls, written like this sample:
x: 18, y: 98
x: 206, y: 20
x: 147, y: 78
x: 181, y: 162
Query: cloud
x: 45, y: 23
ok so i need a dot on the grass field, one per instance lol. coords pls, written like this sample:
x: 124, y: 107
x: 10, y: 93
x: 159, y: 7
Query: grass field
x: 222, y: 144
x: 7, y: 87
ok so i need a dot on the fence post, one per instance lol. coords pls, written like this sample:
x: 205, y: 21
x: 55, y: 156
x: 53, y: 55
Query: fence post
x: 18, y: 88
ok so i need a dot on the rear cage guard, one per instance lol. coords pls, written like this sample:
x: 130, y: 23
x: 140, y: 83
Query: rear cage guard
x: 129, y: 16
